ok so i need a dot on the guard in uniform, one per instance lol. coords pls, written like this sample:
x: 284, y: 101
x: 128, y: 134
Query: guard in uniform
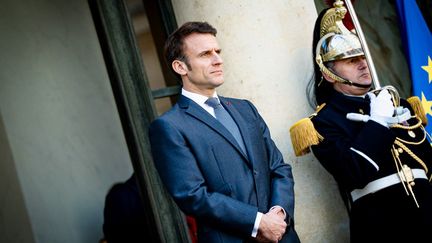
x: 371, y: 141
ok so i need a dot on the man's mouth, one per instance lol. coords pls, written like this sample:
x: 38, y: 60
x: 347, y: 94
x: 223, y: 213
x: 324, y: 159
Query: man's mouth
x: 365, y: 75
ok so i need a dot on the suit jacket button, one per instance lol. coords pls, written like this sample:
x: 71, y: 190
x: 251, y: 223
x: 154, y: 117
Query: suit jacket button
x: 255, y: 172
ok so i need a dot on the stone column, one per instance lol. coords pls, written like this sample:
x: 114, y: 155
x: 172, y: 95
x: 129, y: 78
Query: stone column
x: 266, y: 47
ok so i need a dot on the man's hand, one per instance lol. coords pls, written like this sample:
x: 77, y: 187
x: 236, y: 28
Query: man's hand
x: 272, y: 226
x: 279, y: 211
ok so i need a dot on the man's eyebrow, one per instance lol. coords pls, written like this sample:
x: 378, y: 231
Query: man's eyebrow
x: 217, y: 50
x: 204, y: 52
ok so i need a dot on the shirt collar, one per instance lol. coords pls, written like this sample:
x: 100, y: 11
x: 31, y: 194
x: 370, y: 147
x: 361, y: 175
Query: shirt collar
x: 197, y: 98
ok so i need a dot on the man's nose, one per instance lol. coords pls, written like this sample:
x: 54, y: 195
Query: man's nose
x: 363, y: 63
x: 217, y: 59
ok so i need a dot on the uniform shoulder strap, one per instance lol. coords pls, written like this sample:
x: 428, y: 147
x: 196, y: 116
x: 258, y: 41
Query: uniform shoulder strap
x: 416, y: 105
x: 303, y: 134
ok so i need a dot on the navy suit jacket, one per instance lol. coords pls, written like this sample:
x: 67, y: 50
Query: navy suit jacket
x: 208, y: 175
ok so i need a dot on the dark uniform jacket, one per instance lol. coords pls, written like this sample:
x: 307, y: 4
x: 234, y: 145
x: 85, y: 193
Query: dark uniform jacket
x: 357, y: 153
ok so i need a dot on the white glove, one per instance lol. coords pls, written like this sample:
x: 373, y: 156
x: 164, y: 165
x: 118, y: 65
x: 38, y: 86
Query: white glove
x: 402, y: 114
x: 381, y: 107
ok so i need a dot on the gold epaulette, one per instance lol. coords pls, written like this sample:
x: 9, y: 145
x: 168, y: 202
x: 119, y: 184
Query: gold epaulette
x: 416, y: 104
x: 303, y: 134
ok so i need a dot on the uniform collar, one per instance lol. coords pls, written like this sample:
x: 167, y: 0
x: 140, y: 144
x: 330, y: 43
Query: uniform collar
x: 346, y: 104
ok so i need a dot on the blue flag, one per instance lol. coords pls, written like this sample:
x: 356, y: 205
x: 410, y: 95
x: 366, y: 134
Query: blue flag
x: 417, y: 41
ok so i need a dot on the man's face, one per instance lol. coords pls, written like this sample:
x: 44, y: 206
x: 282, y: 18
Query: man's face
x: 205, y: 66
x: 355, y: 70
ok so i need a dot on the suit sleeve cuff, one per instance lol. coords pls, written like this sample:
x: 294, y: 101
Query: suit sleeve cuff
x: 279, y: 207
x: 256, y: 224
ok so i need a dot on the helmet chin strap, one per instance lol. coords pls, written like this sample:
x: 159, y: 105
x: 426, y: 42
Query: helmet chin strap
x: 361, y: 85
x: 324, y: 69
x: 337, y: 78
x: 348, y: 82
x: 343, y: 80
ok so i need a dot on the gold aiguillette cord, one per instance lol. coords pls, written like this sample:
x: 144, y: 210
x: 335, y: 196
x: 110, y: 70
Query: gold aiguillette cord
x: 405, y: 174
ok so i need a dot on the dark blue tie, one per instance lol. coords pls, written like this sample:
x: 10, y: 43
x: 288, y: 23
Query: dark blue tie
x: 225, y: 118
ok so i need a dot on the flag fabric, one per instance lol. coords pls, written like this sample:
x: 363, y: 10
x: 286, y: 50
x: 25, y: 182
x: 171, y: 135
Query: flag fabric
x: 417, y: 41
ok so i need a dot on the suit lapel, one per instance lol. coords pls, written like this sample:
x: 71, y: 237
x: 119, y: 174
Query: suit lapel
x: 199, y: 113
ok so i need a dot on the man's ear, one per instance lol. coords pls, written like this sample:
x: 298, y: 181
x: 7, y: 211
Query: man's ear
x: 179, y: 67
x: 327, y: 78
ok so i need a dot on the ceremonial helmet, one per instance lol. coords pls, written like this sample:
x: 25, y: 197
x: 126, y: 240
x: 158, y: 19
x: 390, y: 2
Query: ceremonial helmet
x: 336, y: 41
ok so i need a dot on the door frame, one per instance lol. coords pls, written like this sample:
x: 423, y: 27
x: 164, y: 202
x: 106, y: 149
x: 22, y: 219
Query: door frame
x: 135, y: 104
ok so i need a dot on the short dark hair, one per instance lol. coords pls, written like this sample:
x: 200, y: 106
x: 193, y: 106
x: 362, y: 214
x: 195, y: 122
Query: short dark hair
x: 174, y: 44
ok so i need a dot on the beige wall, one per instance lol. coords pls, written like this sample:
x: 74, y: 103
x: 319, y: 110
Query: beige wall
x: 267, y: 59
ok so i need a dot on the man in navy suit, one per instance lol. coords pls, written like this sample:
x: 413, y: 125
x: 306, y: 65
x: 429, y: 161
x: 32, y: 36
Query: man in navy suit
x: 238, y: 188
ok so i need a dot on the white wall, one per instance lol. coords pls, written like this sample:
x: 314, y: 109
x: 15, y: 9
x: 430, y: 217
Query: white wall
x: 266, y: 47
x: 61, y: 125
